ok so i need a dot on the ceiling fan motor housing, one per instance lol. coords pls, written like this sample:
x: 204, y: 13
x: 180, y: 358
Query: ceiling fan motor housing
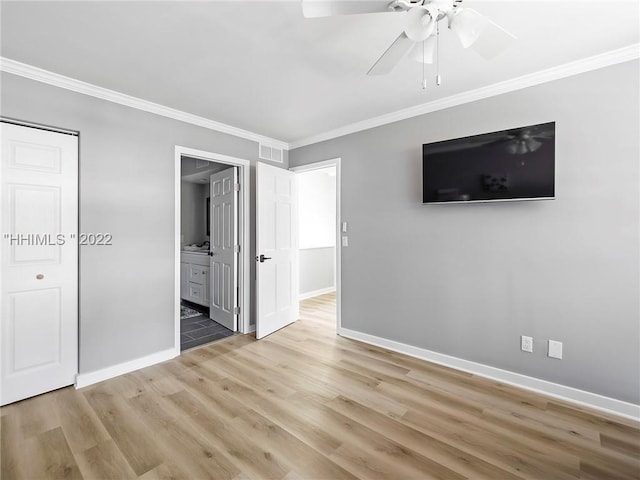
x: 443, y: 6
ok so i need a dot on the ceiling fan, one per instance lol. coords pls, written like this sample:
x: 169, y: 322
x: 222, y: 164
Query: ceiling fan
x: 419, y: 37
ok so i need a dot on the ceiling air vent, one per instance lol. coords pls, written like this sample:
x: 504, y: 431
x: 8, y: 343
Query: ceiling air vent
x: 270, y: 153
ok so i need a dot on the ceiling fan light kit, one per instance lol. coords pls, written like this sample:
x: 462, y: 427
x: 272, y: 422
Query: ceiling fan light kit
x: 419, y: 38
x: 424, y: 52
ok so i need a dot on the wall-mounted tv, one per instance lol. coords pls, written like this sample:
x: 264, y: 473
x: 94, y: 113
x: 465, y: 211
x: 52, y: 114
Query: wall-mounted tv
x: 514, y: 164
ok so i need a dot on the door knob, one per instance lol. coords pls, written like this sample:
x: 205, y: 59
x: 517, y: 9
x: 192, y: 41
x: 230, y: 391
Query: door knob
x: 39, y: 276
x: 262, y: 258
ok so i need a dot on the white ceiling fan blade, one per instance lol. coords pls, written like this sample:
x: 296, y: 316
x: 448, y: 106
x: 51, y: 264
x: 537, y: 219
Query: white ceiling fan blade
x: 492, y: 41
x: 389, y: 59
x: 468, y: 25
x: 477, y: 31
x: 327, y: 8
x: 424, y: 52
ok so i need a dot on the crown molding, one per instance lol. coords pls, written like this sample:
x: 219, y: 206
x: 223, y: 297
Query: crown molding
x: 613, y: 57
x: 40, y: 75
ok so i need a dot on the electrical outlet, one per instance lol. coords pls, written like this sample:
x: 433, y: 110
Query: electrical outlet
x: 345, y: 241
x: 555, y: 349
x: 526, y: 344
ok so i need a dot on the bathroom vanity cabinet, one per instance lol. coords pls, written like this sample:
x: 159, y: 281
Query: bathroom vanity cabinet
x: 195, y: 277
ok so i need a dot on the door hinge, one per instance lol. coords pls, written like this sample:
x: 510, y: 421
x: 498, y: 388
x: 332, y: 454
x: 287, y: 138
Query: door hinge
x: 236, y: 310
x: 237, y: 187
x: 236, y: 249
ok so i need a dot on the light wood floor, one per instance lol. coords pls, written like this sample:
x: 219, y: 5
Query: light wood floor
x: 306, y: 404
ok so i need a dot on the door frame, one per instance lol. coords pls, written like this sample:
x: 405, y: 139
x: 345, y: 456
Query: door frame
x: 244, y: 230
x: 334, y: 162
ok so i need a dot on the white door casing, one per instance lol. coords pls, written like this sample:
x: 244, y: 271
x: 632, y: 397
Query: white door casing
x: 224, y: 248
x: 39, y: 275
x: 276, y: 249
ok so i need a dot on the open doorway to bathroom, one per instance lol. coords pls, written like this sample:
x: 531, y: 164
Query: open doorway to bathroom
x: 210, y: 226
x: 198, y: 324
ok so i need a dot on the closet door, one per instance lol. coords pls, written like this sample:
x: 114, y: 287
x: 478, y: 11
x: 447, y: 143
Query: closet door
x: 39, y: 275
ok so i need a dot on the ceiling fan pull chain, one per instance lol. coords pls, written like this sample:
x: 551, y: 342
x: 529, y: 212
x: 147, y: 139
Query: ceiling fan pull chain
x: 424, y: 74
x: 438, y: 78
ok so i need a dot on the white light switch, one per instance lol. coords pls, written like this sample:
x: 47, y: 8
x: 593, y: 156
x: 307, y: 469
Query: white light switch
x: 344, y: 227
x: 555, y: 349
x: 345, y: 241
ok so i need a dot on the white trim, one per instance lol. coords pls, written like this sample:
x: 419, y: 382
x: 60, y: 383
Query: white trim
x: 39, y: 126
x: 177, y: 235
x: 50, y: 78
x: 613, y: 57
x: 316, y: 166
x: 555, y: 390
x: 244, y: 266
x: 86, y: 379
x: 595, y: 62
x: 315, y: 293
x: 337, y: 162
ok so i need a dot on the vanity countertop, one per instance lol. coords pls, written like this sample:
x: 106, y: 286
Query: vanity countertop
x: 196, y: 252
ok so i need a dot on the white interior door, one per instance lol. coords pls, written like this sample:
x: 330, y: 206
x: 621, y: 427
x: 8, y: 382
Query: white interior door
x: 276, y: 249
x: 39, y: 275
x: 224, y: 248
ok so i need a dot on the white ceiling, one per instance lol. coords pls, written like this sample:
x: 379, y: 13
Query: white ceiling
x: 262, y: 67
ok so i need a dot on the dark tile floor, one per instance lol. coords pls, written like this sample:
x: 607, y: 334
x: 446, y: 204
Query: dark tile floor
x: 199, y: 330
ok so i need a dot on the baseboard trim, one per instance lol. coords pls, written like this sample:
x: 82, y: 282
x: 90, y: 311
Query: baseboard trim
x: 315, y: 293
x: 555, y: 390
x: 86, y: 379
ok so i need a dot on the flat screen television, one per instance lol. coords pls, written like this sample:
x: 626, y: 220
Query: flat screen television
x: 514, y: 164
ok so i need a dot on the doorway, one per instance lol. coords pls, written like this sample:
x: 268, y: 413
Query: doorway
x: 322, y: 235
x: 199, y: 266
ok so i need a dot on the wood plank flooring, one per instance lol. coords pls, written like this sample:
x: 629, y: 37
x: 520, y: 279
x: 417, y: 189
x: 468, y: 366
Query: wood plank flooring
x: 306, y: 404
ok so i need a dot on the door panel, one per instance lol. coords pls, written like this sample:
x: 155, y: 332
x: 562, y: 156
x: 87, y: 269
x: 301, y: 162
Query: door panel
x: 224, y: 256
x: 31, y: 342
x: 36, y: 211
x: 39, y: 279
x: 276, y: 238
x: 39, y: 158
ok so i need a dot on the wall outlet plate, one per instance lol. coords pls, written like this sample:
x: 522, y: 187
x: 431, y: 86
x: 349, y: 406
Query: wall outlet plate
x: 526, y: 344
x: 555, y: 349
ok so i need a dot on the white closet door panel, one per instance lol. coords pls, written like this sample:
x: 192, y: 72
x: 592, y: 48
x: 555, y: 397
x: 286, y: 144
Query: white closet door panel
x: 39, y: 279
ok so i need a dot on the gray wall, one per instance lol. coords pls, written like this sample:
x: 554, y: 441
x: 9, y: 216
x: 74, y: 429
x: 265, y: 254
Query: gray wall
x: 317, y: 266
x: 192, y: 213
x: 468, y: 280
x: 126, y: 189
